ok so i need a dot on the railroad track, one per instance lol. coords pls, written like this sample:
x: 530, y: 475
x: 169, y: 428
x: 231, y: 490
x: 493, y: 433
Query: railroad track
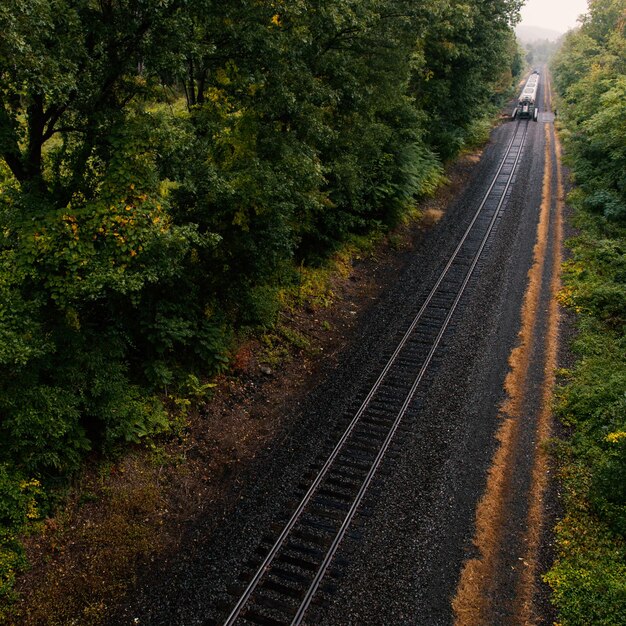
x: 284, y: 584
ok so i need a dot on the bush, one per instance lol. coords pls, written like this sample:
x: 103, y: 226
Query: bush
x: 18, y: 508
x: 608, y: 489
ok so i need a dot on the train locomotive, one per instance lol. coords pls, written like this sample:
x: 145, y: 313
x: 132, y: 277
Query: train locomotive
x: 527, y: 104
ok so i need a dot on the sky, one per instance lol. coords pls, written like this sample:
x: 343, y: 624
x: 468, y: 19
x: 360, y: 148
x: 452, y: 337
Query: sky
x: 559, y: 15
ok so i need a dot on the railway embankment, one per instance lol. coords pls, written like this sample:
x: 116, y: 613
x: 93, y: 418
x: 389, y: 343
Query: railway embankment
x: 200, y: 532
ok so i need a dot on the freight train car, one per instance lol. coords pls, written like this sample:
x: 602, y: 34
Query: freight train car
x: 527, y: 105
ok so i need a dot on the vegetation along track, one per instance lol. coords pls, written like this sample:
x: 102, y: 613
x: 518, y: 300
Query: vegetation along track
x: 285, y: 582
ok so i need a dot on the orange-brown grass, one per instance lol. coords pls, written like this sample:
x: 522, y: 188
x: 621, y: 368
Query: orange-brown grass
x: 474, y: 157
x: 431, y: 216
x: 472, y: 601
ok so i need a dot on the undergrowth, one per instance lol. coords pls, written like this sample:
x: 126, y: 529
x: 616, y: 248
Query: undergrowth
x: 588, y: 578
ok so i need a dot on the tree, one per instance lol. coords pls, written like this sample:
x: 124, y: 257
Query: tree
x: 589, y: 73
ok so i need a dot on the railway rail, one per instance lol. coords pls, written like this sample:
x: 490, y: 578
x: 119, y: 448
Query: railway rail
x: 283, y: 586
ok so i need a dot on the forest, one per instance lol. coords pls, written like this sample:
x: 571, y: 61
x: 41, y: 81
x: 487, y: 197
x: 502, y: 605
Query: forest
x: 589, y: 577
x: 167, y: 166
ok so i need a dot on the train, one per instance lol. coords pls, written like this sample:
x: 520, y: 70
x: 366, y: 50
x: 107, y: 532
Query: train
x: 527, y: 105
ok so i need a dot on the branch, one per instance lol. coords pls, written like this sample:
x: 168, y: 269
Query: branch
x: 9, y: 145
x: 124, y: 48
x: 52, y: 116
x: 67, y: 129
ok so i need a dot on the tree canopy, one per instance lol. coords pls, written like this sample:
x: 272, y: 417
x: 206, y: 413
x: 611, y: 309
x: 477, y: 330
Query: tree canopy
x: 590, y: 76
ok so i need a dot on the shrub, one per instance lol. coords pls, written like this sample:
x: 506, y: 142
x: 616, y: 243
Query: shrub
x: 18, y: 508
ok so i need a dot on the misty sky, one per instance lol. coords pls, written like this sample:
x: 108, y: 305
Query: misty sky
x: 557, y: 15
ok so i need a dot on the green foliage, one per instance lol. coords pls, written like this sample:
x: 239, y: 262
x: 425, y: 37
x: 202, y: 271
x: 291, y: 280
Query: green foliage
x: 18, y: 500
x: 609, y: 486
x: 477, y: 132
x: 588, y: 579
x: 590, y: 75
x: 588, y: 576
x: 469, y: 56
x: 18, y: 508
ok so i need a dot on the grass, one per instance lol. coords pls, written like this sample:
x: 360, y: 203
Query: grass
x: 112, y: 520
